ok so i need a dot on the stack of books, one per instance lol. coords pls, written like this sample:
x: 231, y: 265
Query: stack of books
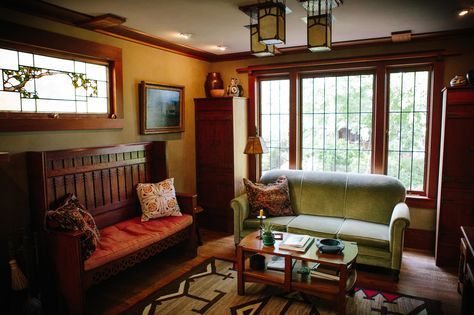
x: 325, y: 272
x: 278, y: 263
x: 299, y: 243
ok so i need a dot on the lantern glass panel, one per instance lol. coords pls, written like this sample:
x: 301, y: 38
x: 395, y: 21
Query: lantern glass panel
x: 258, y: 49
x: 271, y: 23
x: 319, y: 32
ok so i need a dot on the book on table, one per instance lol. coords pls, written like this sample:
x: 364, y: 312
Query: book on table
x: 299, y: 243
x: 325, y: 272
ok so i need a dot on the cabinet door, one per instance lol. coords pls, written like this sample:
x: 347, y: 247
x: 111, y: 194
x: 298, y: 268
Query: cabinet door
x: 214, y: 144
x: 458, y: 160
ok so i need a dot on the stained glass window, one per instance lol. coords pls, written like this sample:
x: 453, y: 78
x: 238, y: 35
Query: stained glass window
x: 34, y: 83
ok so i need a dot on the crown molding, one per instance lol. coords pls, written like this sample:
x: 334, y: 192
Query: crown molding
x: 57, y: 13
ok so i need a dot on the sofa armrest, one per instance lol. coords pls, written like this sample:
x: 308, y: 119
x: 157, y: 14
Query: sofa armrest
x: 240, y: 205
x: 398, y: 223
x: 187, y: 202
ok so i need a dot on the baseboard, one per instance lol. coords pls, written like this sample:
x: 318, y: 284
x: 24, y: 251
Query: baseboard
x: 420, y: 239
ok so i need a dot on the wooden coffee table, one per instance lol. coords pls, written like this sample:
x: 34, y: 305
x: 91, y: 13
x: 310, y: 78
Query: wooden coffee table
x: 289, y: 279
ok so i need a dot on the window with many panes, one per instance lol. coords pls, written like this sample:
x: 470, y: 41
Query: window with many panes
x: 274, y: 122
x: 337, y: 123
x: 34, y: 83
x: 343, y: 122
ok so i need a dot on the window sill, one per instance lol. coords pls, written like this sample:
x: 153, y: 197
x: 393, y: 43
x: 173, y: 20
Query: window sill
x: 421, y: 202
x: 51, y: 124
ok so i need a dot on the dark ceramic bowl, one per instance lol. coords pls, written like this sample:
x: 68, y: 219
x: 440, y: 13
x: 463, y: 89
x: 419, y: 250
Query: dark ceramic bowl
x: 330, y: 246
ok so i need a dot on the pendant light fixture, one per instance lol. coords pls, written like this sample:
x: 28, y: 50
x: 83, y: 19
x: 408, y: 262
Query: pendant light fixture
x: 271, y: 22
x: 258, y: 49
x: 319, y: 24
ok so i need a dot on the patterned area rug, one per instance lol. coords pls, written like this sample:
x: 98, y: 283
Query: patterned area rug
x: 211, y: 288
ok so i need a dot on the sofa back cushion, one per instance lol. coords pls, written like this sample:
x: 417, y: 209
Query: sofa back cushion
x: 354, y: 196
x: 313, y: 193
x: 372, y: 197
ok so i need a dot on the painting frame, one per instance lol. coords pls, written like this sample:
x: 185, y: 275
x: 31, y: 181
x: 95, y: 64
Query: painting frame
x: 161, y: 108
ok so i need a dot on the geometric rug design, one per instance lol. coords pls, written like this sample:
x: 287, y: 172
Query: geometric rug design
x: 211, y: 288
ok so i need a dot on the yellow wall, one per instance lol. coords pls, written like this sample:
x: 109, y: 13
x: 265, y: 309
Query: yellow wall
x: 139, y: 63
x: 460, y: 63
x: 145, y: 63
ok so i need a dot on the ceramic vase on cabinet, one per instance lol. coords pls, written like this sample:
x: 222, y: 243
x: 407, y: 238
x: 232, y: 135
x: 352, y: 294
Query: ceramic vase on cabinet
x: 213, y: 81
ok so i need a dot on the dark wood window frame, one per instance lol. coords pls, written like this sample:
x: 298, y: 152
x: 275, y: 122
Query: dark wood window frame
x: 23, y: 38
x: 381, y: 66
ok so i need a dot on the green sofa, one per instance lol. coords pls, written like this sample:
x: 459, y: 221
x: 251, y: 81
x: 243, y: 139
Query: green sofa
x: 367, y: 209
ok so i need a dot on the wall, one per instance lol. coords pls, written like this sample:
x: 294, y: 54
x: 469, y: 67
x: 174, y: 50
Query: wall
x: 139, y: 63
x: 461, y: 61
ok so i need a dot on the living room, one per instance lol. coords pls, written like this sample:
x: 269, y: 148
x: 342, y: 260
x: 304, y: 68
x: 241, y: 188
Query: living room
x: 193, y: 47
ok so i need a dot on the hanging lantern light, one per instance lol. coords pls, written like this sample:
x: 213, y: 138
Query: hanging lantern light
x: 258, y: 49
x: 319, y: 24
x: 271, y: 22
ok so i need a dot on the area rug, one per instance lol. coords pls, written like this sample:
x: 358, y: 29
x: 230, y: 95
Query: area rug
x: 211, y: 288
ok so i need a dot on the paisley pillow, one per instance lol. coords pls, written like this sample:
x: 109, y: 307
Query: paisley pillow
x: 71, y: 215
x: 158, y: 200
x: 273, y: 198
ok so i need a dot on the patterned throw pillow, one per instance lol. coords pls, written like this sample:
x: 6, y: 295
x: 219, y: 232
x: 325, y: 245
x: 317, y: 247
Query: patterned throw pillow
x: 158, y: 200
x: 273, y: 198
x: 71, y: 215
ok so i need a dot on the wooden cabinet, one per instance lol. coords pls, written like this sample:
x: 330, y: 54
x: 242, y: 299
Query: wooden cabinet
x: 221, y: 135
x: 466, y: 268
x: 456, y: 178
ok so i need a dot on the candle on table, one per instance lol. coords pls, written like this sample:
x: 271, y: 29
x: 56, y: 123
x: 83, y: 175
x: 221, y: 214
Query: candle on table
x: 261, y: 213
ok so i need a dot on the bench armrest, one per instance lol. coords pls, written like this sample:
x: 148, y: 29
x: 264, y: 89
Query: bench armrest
x: 187, y: 202
x: 240, y: 205
x: 398, y: 223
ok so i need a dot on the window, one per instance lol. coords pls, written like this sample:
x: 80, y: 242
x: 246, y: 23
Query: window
x: 337, y: 123
x: 380, y: 117
x: 41, y: 84
x: 408, y: 117
x: 50, y: 81
x: 274, y: 122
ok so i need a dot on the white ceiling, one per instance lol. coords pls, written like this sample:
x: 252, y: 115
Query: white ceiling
x: 220, y: 22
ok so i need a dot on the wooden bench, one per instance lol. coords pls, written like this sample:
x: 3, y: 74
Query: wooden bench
x: 104, y: 180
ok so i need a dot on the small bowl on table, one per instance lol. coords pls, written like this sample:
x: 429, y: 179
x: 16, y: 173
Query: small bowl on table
x: 217, y: 92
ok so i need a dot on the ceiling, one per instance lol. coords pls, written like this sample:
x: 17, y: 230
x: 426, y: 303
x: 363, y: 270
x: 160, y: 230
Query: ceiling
x: 220, y: 22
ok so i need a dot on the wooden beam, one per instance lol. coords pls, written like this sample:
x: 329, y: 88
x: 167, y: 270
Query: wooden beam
x: 102, y: 22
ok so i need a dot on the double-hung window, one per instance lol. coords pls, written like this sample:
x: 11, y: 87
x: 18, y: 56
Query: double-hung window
x: 380, y: 119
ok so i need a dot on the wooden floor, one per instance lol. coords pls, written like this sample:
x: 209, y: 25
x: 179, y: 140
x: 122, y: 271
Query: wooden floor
x: 419, y: 277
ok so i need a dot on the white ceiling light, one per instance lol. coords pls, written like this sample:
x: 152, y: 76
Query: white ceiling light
x: 185, y: 35
x: 221, y: 47
x: 463, y: 12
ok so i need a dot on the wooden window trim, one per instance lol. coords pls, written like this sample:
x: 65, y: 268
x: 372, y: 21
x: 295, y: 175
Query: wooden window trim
x: 19, y: 37
x: 381, y: 66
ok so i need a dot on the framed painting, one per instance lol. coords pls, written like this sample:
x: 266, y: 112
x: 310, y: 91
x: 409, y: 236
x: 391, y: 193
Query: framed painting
x: 161, y: 108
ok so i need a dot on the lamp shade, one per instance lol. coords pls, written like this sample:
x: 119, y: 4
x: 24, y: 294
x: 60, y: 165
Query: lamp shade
x: 319, y: 27
x: 258, y: 49
x: 271, y: 22
x: 255, y: 145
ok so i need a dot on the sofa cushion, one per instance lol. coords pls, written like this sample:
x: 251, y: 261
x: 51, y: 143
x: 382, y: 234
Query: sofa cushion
x: 273, y: 198
x: 323, y: 193
x: 315, y: 225
x: 279, y: 223
x: 372, y: 197
x: 365, y: 233
x: 128, y: 236
x: 295, y: 178
x: 158, y: 199
x: 71, y: 215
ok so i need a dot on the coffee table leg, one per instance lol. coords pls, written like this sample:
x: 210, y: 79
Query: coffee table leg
x: 240, y: 271
x: 341, y: 305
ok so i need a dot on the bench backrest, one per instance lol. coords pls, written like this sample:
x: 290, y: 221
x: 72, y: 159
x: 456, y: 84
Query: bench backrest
x: 103, y: 179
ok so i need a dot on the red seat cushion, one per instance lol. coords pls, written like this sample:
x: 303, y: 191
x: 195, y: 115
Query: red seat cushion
x: 126, y: 237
